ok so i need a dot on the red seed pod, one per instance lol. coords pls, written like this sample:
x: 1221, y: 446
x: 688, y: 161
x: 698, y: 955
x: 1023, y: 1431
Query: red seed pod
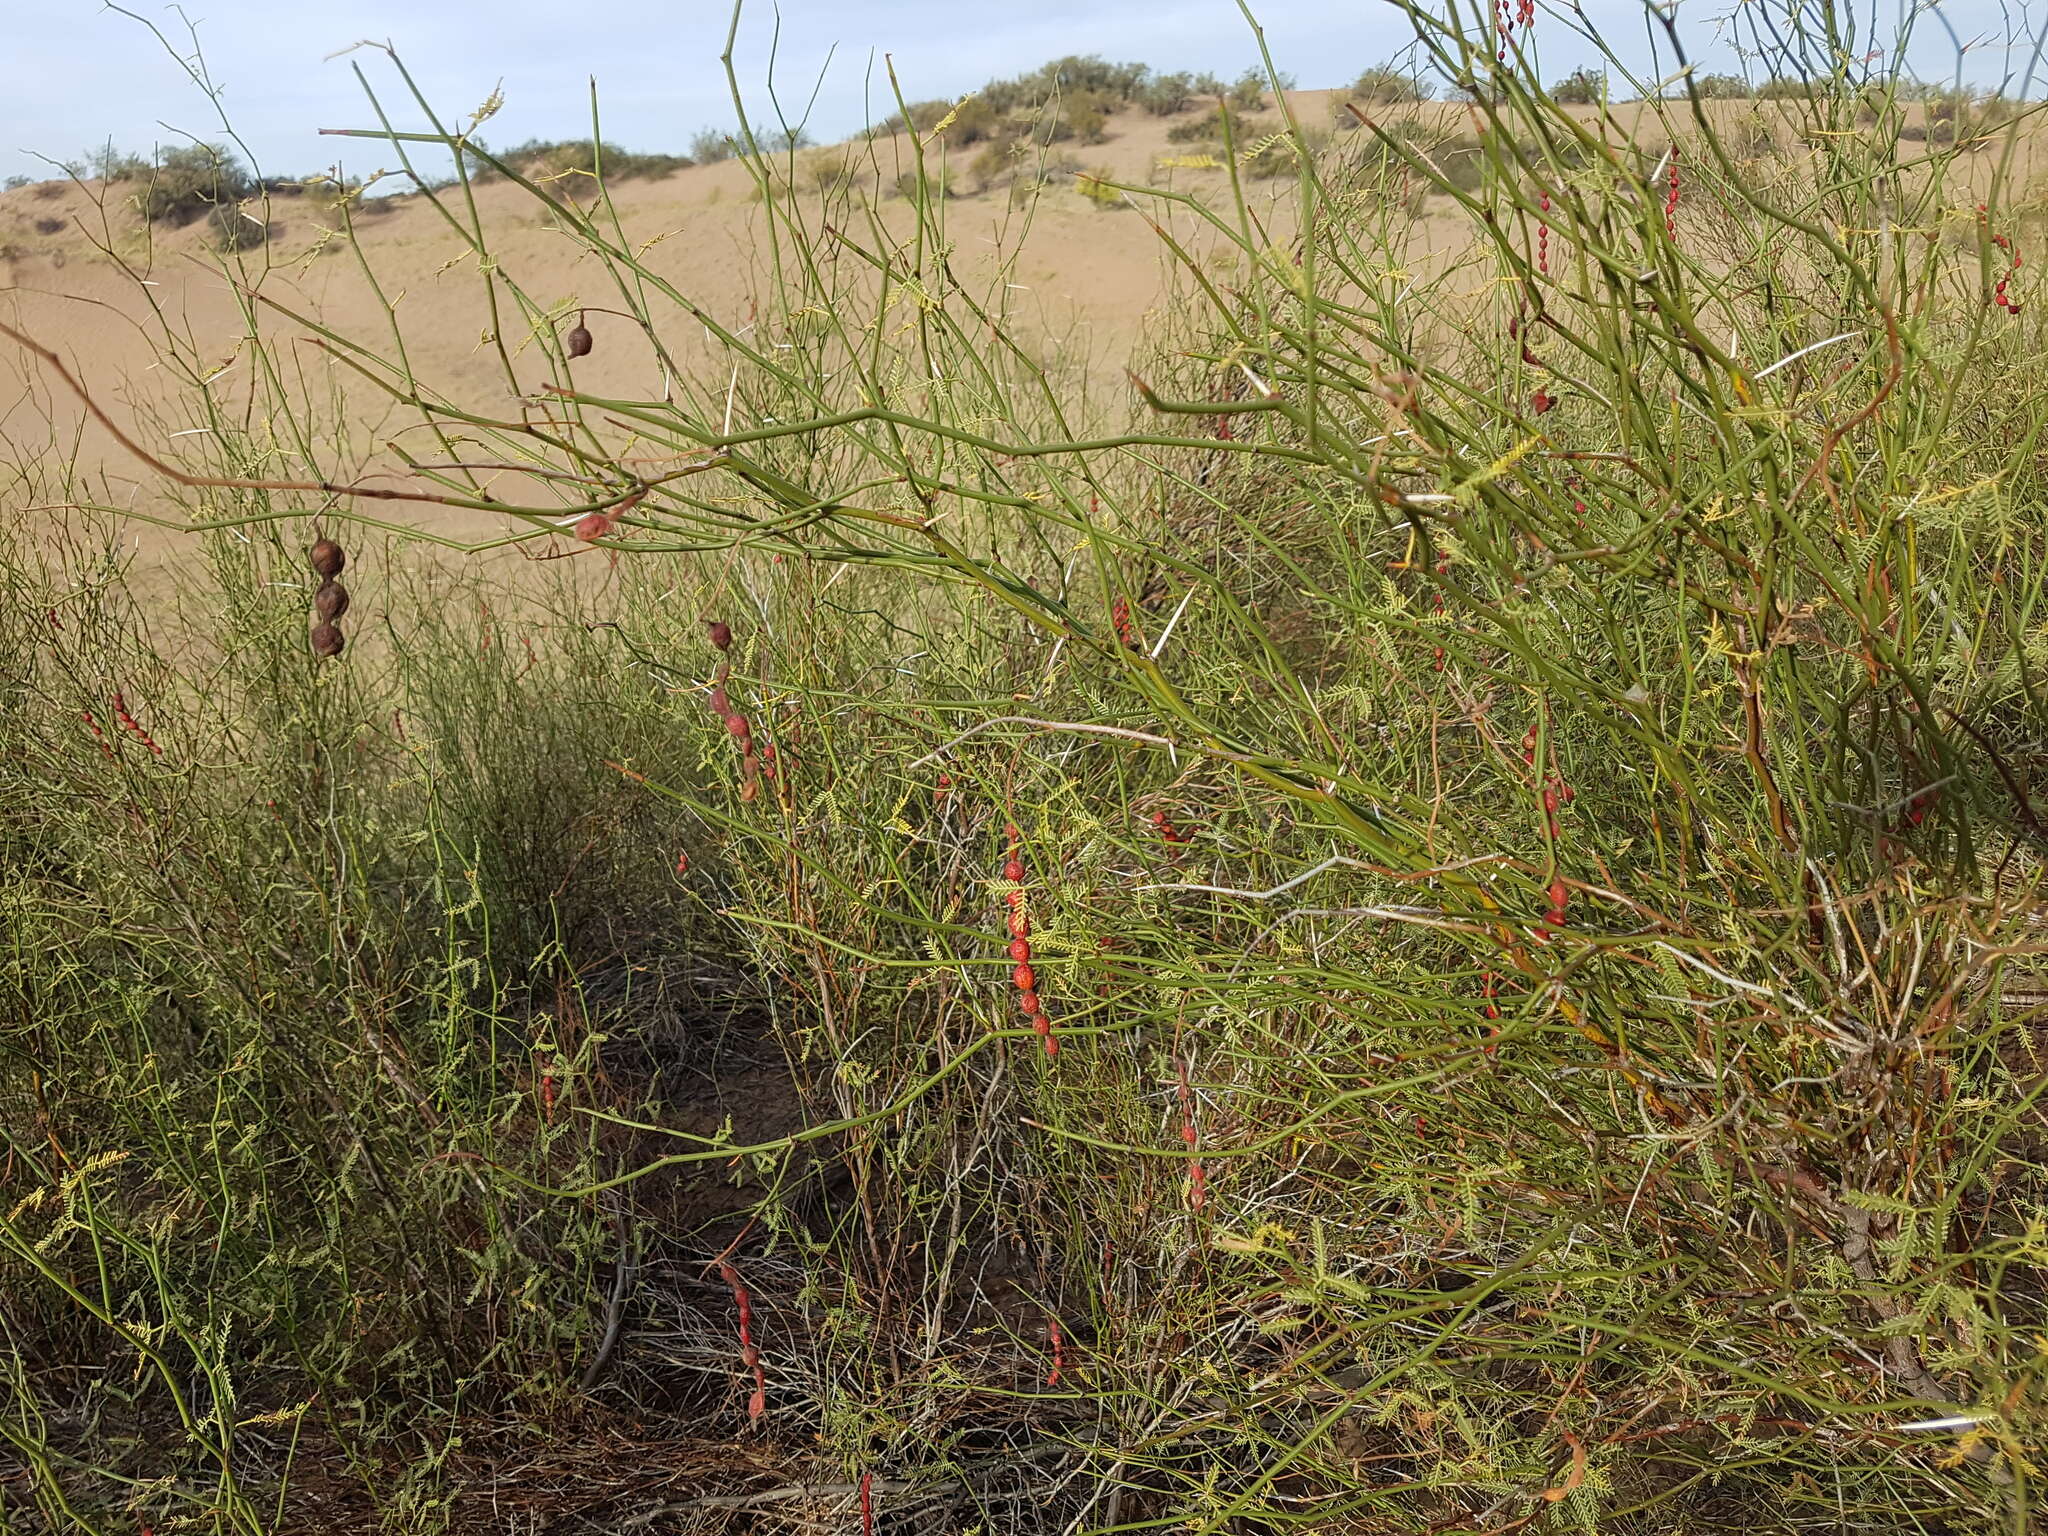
x: 132, y: 726
x: 331, y: 601
x: 1020, y: 950
x: 1198, y: 1182
x: 327, y: 640
x: 327, y: 558
x: 1020, y: 924
x: 1052, y: 1331
x: 721, y: 706
x: 750, y: 1355
x: 1014, y: 898
x: 682, y: 863
x: 1024, y: 979
x: 737, y: 725
x: 945, y: 786
x: 1028, y: 1003
x: 1541, y: 401
x: 593, y: 526
x: 721, y: 635
x: 1013, y: 871
x: 98, y: 735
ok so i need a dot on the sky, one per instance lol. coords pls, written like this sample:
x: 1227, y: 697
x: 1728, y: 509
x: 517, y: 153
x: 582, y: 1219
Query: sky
x: 83, y: 73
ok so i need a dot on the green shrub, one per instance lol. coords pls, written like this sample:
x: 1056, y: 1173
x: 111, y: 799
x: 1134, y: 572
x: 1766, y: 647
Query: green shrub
x: 1581, y: 88
x: 579, y: 162
x: 109, y: 164
x: 998, y: 157
x: 189, y: 180
x: 1089, y: 73
x: 234, y: 228
x: 919, y: 115
x: 708, y: 146
x: 1207, y: 128
x: 1789, y: 88
x: 1386, y: 85
x: 780, y: 140
x: 828, y: 172
x: 973, y: 121
x: 1168, y: 95
x: 1721, y: 87
x: 1248, y: 94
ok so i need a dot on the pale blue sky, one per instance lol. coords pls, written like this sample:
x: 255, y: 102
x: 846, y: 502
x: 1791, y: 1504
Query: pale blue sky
x: 81, y: 73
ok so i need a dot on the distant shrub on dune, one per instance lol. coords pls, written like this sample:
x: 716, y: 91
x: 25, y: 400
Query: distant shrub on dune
x: 1069, y: 100
x: 556, y: 159
x: 780, y: 140
x: 235, y: 229
x: 1721, y: 88
x: 1168, y: 95
x: 186, y: 182
x: 996, y: 160
x: 1581, y: 88
x: 827, y: 171
x: 1388, y: 86
x: 708, y: 146
x: 1248, y: 94
x: 1075, y: 74
x: 1208, y: 129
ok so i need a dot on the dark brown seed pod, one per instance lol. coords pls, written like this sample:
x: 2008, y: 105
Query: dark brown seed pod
x: 327, y: 558
x: 579, y: 339
x: 327, y: 640
x: 721, y: 634
x: 331, y: 601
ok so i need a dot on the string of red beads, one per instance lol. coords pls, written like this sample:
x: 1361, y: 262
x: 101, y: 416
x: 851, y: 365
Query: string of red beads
x: 1022, y: 976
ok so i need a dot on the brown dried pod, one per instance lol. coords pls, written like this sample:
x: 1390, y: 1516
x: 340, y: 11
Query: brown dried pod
x: 721, y: 634
x: 579, y: 339
x: 331, y: 601
x: 327, y: 558
x: 327, y: 640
